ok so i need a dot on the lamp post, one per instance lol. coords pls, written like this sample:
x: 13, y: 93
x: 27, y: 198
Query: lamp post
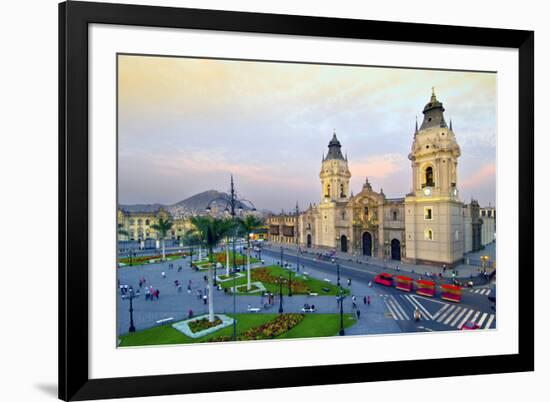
x: 230, y: 207
x: 298, y: 260
x: 281, y: 256
x: 341, y: 300
x: 289, y: 282
x: 338, y: 274
x: 280, y: 294
x: 131, y: 296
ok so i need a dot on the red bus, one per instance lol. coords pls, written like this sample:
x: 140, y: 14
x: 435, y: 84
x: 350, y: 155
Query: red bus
x: 451, y: 293
x: 425, y: 288
x: 384, y: 279
x: 404, y: 283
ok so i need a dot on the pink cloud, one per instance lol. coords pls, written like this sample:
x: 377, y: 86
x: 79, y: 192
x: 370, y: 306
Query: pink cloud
x: 486, y: 173
x: 379, y: 166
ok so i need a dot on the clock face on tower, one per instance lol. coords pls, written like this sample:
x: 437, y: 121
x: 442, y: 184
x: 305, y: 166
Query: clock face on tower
x: 427, y: 191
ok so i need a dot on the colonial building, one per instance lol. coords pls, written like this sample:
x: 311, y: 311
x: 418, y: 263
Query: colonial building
x: 430, y: 225
x: 137, y: 226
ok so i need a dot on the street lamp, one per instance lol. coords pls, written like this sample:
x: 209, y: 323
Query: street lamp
x: 289, y: 282
x: 298, y: 260
x: 338, y: 274
x: 280, y: 294
x: 230, y: 206
x: 341, y: 300
x: 131, y: 295
x: 281, y: 256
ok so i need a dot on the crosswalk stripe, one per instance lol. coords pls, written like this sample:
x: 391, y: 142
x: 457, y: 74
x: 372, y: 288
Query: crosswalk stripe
x: 465, y: 319
x: 489, y: 321
x: 400, y: 308
x: 390, y: 310
x: 488, y: 291
x: 458, y: 317
x: 440, y: 311
x: 477, y: 290
x: 395, y: 309
x: 480, y: 322
x: 451, y: 316
x: 422, y: 308
x: 414, y: 305
x: 474, y: 318
x: 445, y: 314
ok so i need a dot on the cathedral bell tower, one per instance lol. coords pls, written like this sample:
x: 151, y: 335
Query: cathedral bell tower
x: 334, y: 174
x: 334, y: 219
x: 434, y: 233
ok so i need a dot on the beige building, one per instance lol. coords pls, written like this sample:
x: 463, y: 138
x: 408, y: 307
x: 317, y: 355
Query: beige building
x: 430, y: 225
x: 137, y: 226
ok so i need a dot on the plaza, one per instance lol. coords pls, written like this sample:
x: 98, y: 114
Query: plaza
x: 389, y: 311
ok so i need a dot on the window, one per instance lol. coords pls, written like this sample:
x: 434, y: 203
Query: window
x: 428, y: 234
x: 427, y: 213
x: 394, y: 215
x: 328, y: 191
x: 482, y: 213
x: 139, y: 221
x: 489, y: 214
x: 366, y: 211
x: 147, y: 221
x: 343, y: 215
x: 429, y: 176
x: 457, y: 237
x: 342, y: 194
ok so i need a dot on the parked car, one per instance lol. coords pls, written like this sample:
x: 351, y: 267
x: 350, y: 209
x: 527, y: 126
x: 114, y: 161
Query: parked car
x: 470, y: 325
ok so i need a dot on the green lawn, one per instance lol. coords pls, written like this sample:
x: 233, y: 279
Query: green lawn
x: 313, y: 325
x: 301, y: 285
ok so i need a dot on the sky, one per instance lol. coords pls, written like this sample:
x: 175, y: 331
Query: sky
x: 186, y: 124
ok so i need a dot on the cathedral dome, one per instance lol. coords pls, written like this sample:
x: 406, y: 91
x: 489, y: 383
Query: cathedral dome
x: 433, y: 114
x: 334, y: 149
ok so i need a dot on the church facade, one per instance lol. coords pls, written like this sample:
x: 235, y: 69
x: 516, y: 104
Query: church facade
x: 429, y: 225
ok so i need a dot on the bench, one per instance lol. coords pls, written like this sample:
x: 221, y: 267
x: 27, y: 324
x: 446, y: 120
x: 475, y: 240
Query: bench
x: 314, y: 294
x: 308, y: 310
x: 326, y: 290
x: 253, y: 309
x: 327, y: 280
x: 165, y: 320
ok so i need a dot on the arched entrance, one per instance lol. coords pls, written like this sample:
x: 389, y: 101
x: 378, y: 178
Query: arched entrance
x: 396, y: 250
x: 309, y: 241
x: 344, y: 244
x: 367, y: 244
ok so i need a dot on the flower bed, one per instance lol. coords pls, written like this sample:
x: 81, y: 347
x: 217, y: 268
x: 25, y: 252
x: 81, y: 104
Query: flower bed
x: 203, y: 323
x: 243, y: 288
x: 144, y: 259
x: 220, y: 321
x: 269, y: 330
x: 265, y: 275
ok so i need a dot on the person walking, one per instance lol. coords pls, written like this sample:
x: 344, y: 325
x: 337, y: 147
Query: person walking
x: 364, y: 299
x: 163, y: 275
x: 358, y: 314
x: 368, y: 300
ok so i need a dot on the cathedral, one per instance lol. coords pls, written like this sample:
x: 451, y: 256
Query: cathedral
x: 430, y: 225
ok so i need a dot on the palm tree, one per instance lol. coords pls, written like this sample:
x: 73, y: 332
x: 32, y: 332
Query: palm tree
x: 211, y: 232
x: 248, y: 225
x: 162, y: 228
x: 190, y: 238
x: 229, y: 225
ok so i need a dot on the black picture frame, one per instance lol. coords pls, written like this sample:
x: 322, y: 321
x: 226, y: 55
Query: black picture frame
x: 74, y: 18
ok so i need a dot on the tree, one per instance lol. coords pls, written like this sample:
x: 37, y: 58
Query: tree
x: 248, y: 225
x: 211, y: 231
x: 162, y: 228
x: 191, y: 238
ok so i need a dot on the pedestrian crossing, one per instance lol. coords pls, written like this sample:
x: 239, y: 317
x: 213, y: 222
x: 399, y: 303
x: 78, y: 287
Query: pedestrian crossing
x: 402, y: 308
x: 481, y: 291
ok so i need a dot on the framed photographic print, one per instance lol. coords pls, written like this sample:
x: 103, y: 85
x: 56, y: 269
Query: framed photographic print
x: 258, y: 200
